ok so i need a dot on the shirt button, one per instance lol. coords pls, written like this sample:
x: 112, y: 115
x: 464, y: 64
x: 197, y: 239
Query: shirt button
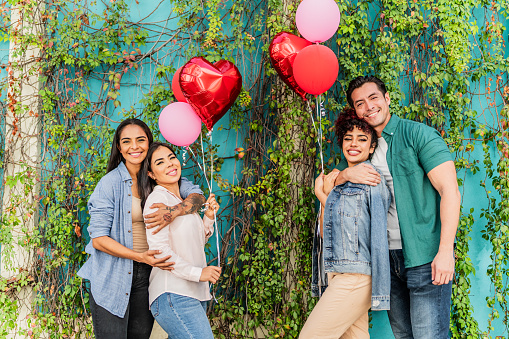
x: 129, y: 272
x: 128, y: 211
x: 129, y: 231
x: 127, y: 294
x: 129, y: 194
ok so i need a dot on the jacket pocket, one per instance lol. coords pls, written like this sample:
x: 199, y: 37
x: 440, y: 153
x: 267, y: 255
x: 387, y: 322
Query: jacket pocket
x: 350, y: 202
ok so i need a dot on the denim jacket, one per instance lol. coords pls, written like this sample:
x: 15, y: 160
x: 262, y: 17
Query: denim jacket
x: 110, y: 215
x: 355, y: 238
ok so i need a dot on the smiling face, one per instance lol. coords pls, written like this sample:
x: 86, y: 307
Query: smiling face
x: 372, y: 106
x: 165, y: 167
x: 133, y: 145
x: 357, y: 146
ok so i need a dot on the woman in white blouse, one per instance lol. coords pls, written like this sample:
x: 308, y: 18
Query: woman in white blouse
x: 178, y: 299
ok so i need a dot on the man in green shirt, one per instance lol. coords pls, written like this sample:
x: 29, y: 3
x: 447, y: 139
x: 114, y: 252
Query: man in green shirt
x: 424, y: 213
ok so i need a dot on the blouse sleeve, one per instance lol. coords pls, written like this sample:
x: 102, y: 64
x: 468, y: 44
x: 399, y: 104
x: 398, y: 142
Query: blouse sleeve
x: 209, y: 227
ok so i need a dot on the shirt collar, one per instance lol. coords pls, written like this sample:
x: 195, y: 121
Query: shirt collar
x: 124, y: 173
x: 391, y: 125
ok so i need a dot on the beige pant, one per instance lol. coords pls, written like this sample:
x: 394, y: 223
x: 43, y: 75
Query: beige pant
x: 342, y: 311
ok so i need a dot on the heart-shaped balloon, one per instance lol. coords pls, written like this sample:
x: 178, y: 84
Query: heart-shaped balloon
x: 211, y: 89
x: 283, y: 49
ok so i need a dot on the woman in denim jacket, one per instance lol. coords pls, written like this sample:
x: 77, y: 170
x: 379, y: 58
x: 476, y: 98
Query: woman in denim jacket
x: 355, y: 255
x: 120, y: 263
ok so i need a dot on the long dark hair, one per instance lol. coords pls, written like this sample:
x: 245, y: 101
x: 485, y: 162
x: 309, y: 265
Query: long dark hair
x: 346, y: 122
x: 115, y: 155
x: 145, y: 183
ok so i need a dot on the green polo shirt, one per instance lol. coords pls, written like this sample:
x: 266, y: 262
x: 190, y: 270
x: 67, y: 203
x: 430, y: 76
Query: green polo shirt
x: 414, y: 150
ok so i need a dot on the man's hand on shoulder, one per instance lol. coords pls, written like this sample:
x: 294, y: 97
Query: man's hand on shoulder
x: 360, y: 174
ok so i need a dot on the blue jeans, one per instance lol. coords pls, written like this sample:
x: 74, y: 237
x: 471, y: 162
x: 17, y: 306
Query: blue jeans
x: 182, y: 317
x: 137, y: 322
x: 419, y: 309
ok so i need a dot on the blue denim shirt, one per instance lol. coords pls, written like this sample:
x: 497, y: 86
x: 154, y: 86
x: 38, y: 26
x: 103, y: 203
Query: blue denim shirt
x: 355, y: 238
x: 110, y: 215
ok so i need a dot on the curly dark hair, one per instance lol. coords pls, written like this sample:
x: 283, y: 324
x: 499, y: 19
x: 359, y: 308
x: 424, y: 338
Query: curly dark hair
x: 346, y: 122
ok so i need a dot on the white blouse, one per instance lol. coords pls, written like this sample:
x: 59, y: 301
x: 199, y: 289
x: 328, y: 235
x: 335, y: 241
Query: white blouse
x: 184, y: 239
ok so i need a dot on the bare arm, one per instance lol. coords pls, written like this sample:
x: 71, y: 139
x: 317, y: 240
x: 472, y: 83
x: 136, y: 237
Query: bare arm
x: 360, y: 174
x: 443, y: 178
x: 108, y: 245
x: 166, y: 214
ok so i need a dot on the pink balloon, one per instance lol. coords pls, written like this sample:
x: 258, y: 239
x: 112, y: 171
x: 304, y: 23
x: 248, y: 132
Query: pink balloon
x: 317, y: 20
x: 179, y: 124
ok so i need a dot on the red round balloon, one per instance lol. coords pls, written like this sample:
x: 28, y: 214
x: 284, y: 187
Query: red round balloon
x: 282, y: 50
x: 210, y: 88
x: 175, y: 87
x: 315, y: 69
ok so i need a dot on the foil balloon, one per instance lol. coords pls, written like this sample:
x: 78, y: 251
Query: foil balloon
x: 282, y: 50
x: 316, y: 69
x: 211, y: 89
x: 175, y: 87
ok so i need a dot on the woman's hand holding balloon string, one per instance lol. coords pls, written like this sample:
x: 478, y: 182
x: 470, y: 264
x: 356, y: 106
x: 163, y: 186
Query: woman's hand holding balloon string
x: 212, y: 206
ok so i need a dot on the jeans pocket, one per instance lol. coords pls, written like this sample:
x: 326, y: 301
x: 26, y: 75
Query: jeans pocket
x: 168, y: 296
x: 154, y: 308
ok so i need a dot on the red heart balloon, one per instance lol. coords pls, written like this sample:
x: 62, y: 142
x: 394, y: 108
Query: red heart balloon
x: 211, y: 89
x: 283, y: 49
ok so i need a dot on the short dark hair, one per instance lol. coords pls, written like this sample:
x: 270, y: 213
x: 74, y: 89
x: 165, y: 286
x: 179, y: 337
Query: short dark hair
x: 145, y: 183
x: 359, y: 81
x: 346, y: 122
x: 115, y: 155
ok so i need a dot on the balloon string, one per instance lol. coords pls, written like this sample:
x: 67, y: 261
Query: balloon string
x: 209, y: 184
x: 215, y: 220
x: 184, y: 161
x: 319, y: 111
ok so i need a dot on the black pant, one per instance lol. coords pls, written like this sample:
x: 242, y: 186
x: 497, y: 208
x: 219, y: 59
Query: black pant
x: 138, y: 320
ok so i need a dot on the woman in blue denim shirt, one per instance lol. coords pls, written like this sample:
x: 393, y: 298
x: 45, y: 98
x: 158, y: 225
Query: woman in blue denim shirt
x: 120, y: 263
x: 355, y: 257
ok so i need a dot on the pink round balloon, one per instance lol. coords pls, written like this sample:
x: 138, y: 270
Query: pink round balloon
x: 179, y: 124
x: 317, y: 20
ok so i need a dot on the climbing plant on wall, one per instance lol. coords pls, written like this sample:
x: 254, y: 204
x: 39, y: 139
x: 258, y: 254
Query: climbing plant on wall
x: 437, y: 58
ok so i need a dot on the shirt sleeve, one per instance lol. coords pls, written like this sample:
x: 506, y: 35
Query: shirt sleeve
x: 101, y: 207
x: 187, y: 187
x: 209, y: 227
x: 159, y: 241
x: 430, y: 147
